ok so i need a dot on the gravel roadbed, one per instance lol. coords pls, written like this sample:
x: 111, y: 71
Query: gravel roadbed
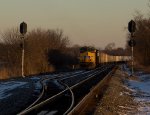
x: 117, y: 99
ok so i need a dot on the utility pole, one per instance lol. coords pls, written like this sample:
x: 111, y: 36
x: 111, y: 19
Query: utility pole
x: 23, y: 30
x: 131, y: 42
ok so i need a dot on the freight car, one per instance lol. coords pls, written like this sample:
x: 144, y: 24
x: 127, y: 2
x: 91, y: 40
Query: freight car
x: 91, y: 58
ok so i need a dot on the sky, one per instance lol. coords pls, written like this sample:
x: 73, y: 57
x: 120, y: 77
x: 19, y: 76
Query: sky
x: 85, y: 22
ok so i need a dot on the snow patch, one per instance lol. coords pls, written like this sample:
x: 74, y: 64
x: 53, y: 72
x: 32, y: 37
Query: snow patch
x: 7, y: 87
x: 140, y: 91
x: 141, y: 86
x: 47, y: 112
x: 125, y: 107
x: 121, y: 93
x: 144, y: 110
x: 130, y: 89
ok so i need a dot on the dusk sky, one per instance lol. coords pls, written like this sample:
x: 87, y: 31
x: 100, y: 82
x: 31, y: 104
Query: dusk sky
x: 85, y: 22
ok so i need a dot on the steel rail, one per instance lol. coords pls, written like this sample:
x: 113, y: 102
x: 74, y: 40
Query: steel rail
x: 72, y: 96
x: 83, y: 100
x: 51, y: 98
x: 40, y: 96
x: 90, y: 77
x: 58, y: 94
x: 43, y: 87
x: 82, y: 73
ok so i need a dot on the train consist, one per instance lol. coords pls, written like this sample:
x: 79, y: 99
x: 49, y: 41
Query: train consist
x: 91, y: 58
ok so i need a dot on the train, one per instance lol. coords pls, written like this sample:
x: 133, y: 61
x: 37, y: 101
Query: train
x: 91, y: 58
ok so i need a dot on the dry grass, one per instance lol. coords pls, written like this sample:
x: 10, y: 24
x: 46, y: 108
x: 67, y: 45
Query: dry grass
x: 7, y: 73
x: 142, y: 68
x: 146, y: 69
x: 138, y: 67
x: 4, y: 73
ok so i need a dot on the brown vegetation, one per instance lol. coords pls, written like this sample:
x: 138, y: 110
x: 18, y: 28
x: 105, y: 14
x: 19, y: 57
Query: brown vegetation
x: 45, y: 51
x: 142, y: 38
x: 110, y: 49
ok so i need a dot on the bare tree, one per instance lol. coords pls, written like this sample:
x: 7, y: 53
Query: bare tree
x: 110, y: 46
x: 142, y: 38
x: 38, y: 44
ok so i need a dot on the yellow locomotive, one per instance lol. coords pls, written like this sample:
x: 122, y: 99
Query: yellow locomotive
x: 88, y: 57
x: 91, y: 58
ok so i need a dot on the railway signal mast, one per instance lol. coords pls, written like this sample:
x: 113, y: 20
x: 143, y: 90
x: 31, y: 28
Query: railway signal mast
x: 23, y: 30
x: 132, y: 43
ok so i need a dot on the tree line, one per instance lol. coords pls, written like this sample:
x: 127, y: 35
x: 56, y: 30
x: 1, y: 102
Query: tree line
x: 45, y: 51
x: 142, y: 39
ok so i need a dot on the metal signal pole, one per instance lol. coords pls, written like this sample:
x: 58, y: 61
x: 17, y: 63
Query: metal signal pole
x: 132, y: 50
x: 23, y: 30
x: 22, y: 64
x: 132, y: 28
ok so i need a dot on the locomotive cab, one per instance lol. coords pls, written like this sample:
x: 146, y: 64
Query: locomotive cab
x: 87, y: 58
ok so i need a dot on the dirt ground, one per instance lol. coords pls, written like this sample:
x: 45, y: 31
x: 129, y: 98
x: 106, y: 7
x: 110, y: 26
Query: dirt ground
x: 117, y: 99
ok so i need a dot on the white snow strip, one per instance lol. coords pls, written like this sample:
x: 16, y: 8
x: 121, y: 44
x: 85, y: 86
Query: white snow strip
x: 127, y: 93
x: 143, y: 99
x: 52, y: 113
x: 47, y: 113
x: 121, y: 93
x: 144, y: 110
x: 128, y: 88
x: 126, y: 107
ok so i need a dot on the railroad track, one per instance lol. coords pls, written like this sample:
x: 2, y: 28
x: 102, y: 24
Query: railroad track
x: 54, y: 77
x: 75, y: 89
x: 42, y: 82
